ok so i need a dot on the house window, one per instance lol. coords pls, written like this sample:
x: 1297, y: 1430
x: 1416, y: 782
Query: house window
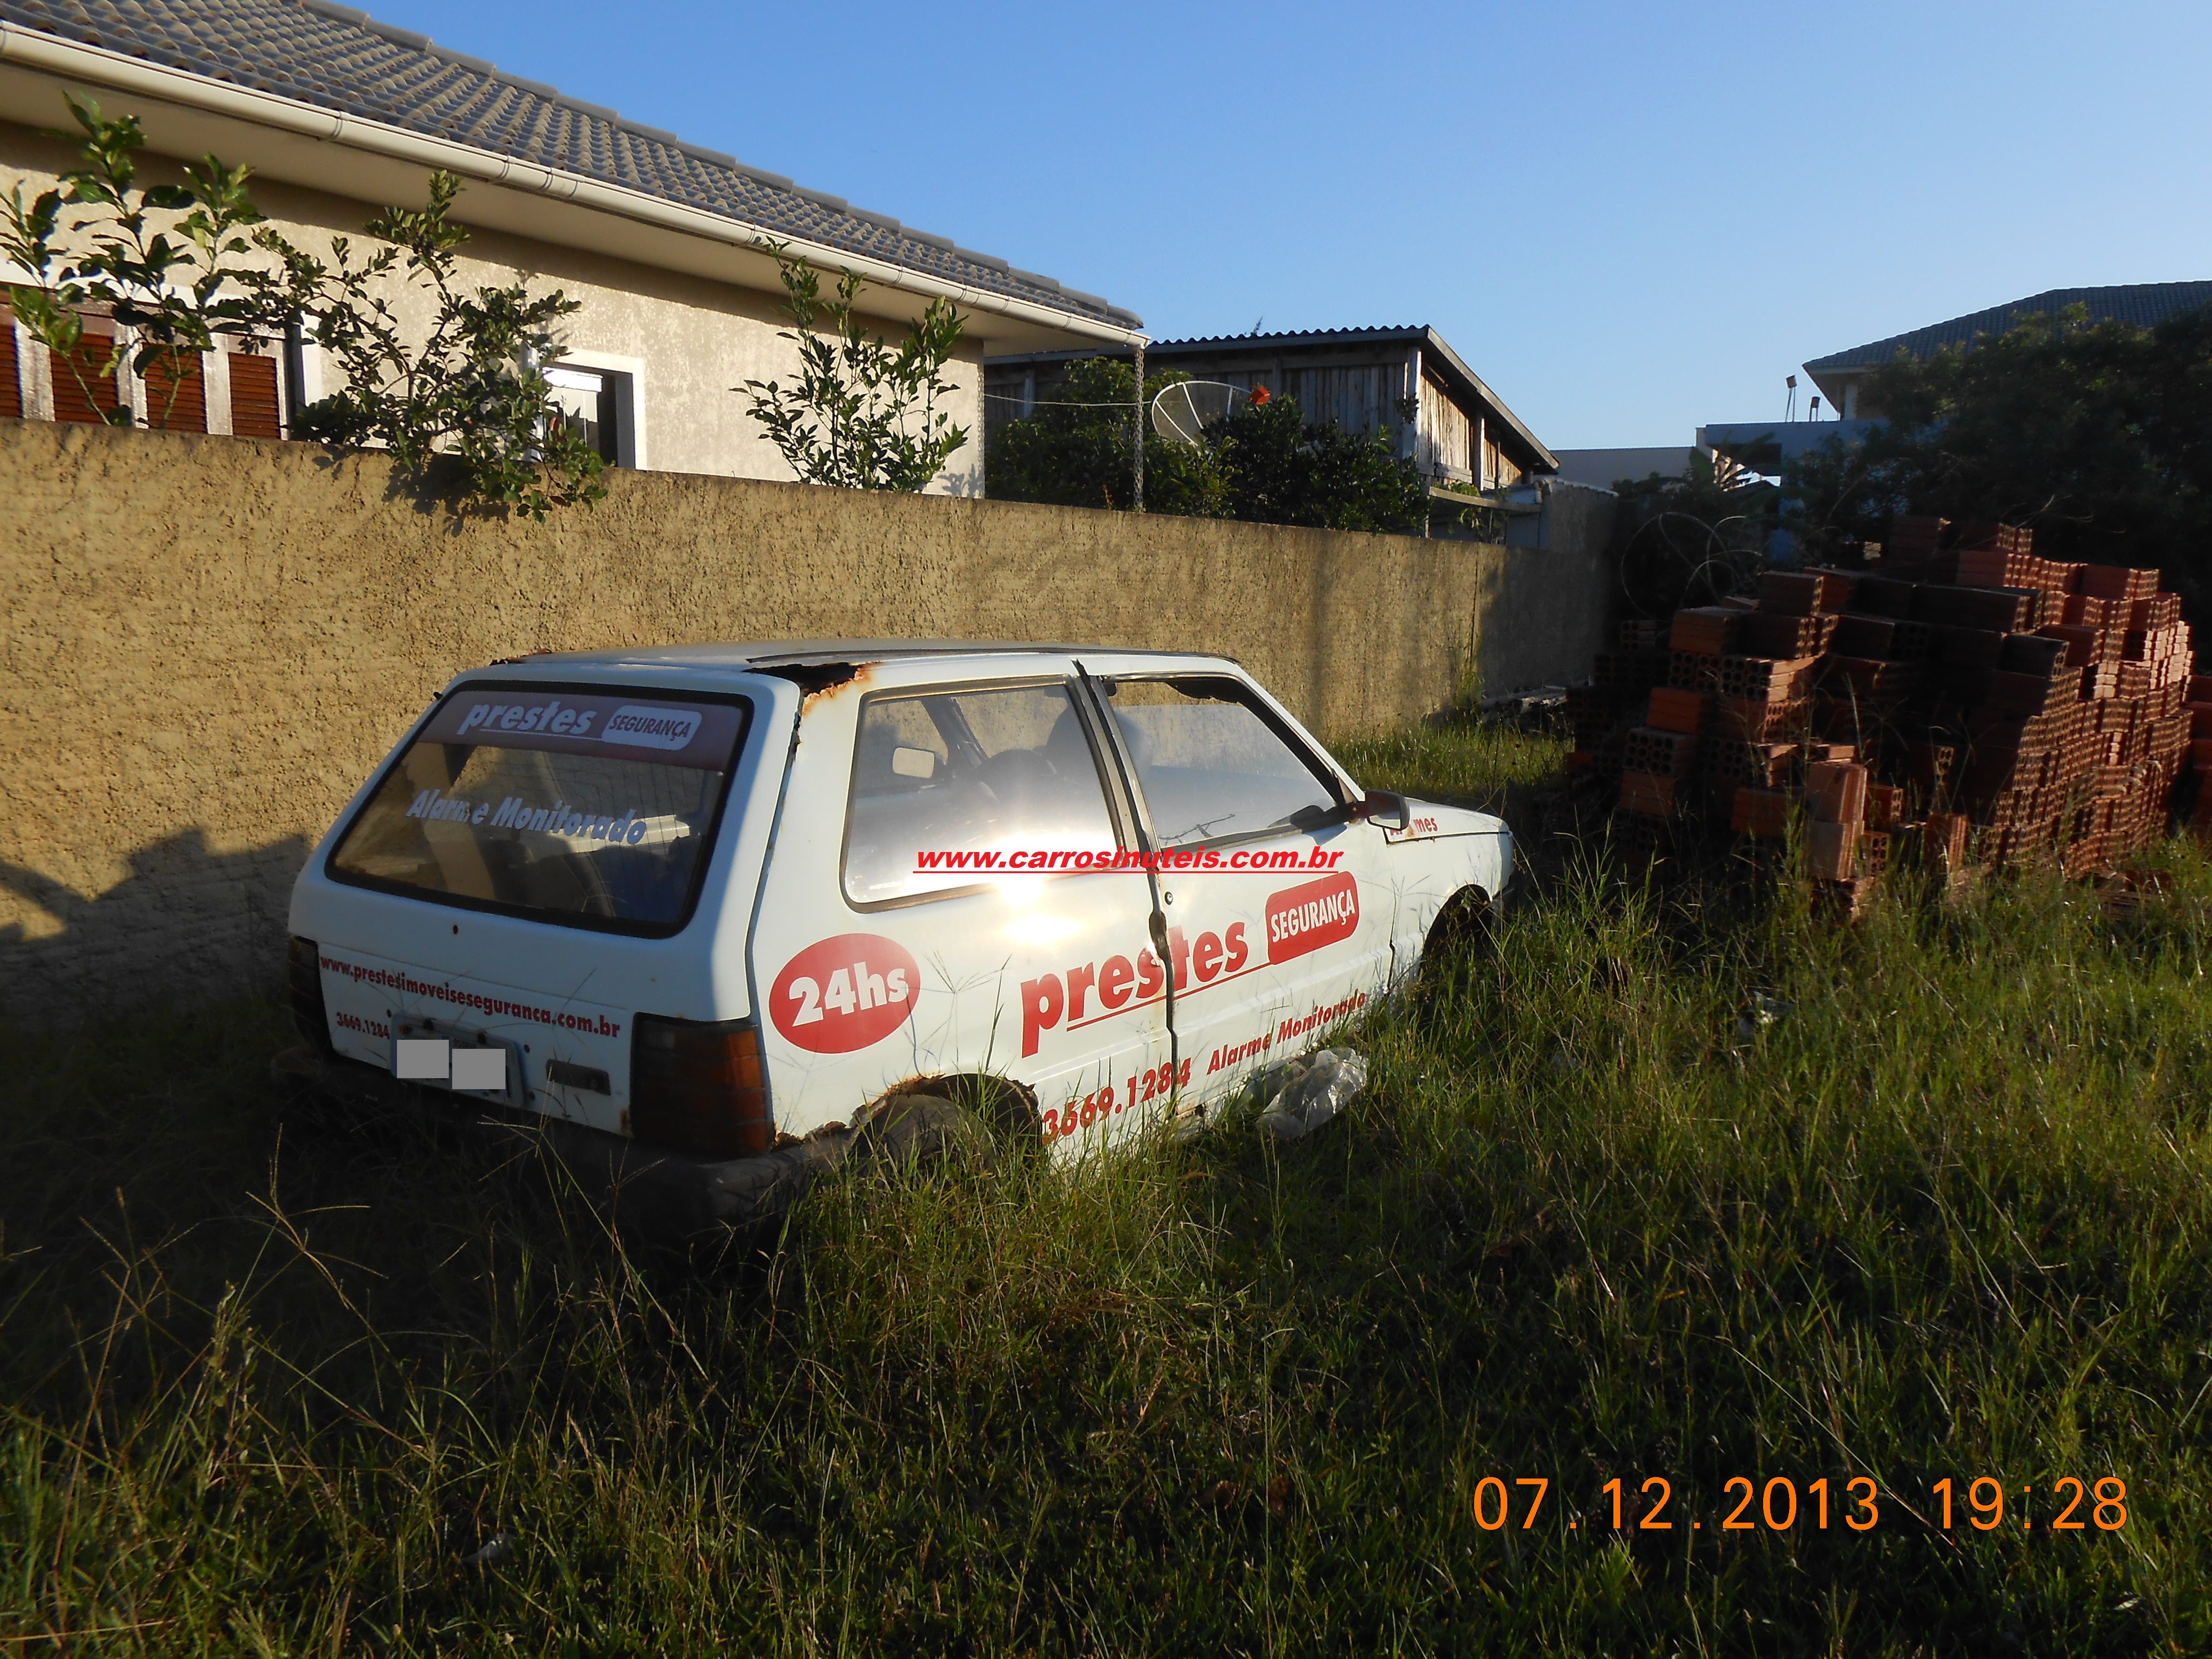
x: 255, y: 410
x: 11, y: 386
x: 590, y: 402
x: 177, y: 401
x: 86, y: 391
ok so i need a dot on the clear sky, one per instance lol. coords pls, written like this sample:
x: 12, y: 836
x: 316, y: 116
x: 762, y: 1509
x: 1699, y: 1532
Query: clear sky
x: 1629, y: 218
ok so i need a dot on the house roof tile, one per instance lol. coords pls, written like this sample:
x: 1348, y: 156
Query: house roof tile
x: 342, y: 59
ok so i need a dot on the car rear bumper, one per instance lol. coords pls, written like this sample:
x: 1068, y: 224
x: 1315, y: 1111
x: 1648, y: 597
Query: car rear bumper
x: 650, y: 1191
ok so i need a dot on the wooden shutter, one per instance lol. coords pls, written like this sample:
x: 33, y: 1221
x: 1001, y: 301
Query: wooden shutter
x: 11, y: 386
x: 255, y: 412
x: 70, y: 401
x: 188, y: 413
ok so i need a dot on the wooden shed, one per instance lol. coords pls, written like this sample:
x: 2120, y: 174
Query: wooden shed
x: 1359, y: 378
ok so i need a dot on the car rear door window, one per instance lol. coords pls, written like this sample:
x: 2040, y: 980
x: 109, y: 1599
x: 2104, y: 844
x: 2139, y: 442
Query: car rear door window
x: 949, y: 787
x: 1210, y: 763
x: 588, y: 808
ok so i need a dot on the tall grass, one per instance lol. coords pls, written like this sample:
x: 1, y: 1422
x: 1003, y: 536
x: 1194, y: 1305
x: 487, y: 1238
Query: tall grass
x: 273, y: 1383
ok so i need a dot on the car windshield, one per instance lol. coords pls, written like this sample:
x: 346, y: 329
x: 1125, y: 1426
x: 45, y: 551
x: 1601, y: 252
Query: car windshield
x: 588, y: 809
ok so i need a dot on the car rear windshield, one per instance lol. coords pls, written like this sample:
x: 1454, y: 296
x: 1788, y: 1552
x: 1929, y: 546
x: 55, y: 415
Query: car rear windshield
x: 585, y: 807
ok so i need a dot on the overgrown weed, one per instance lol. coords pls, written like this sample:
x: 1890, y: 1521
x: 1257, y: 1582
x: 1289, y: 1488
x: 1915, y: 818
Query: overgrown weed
x: 276, y: 1384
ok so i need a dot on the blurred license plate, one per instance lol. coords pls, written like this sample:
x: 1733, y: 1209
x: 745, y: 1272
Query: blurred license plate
x: 439, y: 1055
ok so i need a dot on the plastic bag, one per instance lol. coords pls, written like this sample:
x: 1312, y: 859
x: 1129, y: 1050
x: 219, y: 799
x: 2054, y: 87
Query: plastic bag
x: 1307, y: 1093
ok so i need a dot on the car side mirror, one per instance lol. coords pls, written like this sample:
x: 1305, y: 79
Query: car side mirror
x: 1385, y: 807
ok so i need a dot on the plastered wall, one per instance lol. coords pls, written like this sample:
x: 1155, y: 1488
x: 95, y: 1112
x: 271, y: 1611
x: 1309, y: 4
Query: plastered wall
x: 207, y: 643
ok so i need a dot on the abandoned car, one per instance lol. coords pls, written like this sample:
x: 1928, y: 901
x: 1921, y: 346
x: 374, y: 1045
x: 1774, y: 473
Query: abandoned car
x: 711, y: 914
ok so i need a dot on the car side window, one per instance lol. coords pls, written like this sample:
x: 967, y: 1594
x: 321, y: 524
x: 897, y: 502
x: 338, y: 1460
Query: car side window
x: 1209, y: 762
x: 947, y: 784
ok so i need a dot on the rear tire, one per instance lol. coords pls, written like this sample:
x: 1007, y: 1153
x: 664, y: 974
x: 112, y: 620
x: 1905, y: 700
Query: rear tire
x: 913, y: 1130
x: 985, y: 1118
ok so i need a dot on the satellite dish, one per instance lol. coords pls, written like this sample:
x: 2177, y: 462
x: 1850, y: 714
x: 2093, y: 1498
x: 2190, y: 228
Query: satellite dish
x: 1182, y: 411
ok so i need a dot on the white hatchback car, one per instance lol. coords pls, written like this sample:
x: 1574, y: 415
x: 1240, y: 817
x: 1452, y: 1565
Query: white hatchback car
x: 719, y: 909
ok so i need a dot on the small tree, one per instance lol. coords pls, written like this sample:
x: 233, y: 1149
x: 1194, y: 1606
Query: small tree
x: 172, y: 266
x: 1074, y: 450
x: 863, y: 414
x: 152, y: 257
x: 475, y: 388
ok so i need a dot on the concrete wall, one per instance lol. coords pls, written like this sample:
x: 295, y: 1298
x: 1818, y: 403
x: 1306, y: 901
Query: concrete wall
x: 209, y: 641
x: 686, y: 341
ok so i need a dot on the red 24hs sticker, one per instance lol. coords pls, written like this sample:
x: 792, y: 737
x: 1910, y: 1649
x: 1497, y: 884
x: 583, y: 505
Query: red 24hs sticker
x: 844, y: 994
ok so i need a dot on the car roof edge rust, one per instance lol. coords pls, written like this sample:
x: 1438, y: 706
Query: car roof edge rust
x: 821, y: 679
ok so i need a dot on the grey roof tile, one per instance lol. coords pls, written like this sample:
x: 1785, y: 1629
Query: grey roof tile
x: 2145, y: 304
x: 339, y: 58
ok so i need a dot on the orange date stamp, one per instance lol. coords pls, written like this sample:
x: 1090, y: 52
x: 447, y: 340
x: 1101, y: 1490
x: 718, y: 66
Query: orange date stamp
x: 2069, y: 1504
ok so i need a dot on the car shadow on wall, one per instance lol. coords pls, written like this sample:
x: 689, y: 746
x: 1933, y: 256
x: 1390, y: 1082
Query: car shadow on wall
x: 189, y: 925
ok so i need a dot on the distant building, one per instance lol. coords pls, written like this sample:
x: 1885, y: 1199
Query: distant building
x: 1464, y: 434
x: 1841, y: 376
x: 1602, y: 469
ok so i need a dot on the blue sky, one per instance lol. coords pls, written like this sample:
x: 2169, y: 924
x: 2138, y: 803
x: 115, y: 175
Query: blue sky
x: 1629, y: 218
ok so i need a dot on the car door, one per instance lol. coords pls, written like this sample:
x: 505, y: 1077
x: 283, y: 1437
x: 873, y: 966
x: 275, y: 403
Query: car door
x: 945, y: 897
x: 1272, y: 931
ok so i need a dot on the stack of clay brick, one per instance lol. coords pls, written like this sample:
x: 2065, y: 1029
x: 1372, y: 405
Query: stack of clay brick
x: 1957, y: 702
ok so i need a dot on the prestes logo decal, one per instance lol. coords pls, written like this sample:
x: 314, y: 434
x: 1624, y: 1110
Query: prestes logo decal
x: 844, y: 994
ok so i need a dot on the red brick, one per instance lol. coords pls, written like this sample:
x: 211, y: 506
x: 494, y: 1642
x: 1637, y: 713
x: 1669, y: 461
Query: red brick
x: 1707, y: 631
x: 1674, y: 710
x: 1836, y: 791
x: 1649, y: 796
x: 1761, y: 813
x: 1831, y: 850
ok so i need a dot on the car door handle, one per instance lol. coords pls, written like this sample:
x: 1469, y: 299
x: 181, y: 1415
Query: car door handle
x: 1160, y: 932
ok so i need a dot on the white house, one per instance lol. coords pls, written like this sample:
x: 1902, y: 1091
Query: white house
x: 664, y: 242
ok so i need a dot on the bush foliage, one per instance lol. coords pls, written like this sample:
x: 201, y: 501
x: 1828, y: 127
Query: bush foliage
x: 1264, y: 463
x: 2097, y: 435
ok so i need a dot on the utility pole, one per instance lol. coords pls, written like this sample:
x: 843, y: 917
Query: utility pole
x: 1137, y: 447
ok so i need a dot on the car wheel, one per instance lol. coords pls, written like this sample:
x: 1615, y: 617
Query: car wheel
x: 988, y: 1118
x: 917, y: 1129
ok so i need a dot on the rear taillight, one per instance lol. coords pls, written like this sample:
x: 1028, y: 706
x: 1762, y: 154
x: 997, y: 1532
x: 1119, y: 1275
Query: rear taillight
x: 303, y: 971
x: 698, y: 1087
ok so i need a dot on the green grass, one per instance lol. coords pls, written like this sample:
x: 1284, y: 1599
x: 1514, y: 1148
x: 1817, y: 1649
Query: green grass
x: 1460, y: 761
x: 271, y: 1381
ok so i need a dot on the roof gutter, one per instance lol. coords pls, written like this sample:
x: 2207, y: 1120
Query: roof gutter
x: 101, y: 67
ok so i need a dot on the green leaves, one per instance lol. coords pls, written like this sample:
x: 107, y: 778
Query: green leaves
x: 474, y: 389
x: 176, y: 266
x: 863, y: 414
x: 1263, y: 463
x: 2097, y: 435
x: 1074, y: 450
x: 167, y: 286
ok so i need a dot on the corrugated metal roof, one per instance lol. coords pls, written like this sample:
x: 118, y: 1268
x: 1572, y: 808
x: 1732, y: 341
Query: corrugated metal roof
x: 2145, y: 304
x: 344, y: 60
x: 1311, y: 337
